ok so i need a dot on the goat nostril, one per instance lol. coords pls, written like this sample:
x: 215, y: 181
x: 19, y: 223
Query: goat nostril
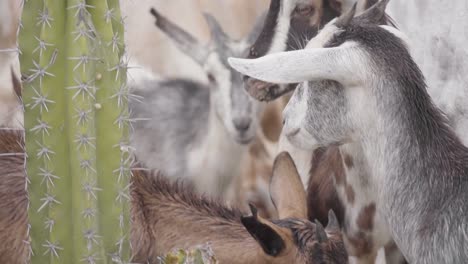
x: 242, y: 123
x: 284, y: 121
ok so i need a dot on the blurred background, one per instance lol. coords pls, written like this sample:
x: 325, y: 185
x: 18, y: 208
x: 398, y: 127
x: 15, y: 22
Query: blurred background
x: 151, y: 48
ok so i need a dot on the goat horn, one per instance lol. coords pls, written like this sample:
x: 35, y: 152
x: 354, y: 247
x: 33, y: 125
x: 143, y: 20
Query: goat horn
x: 332, y: 221
x: 346, y: 18
x: 320, y: 232
x: 254, y: 210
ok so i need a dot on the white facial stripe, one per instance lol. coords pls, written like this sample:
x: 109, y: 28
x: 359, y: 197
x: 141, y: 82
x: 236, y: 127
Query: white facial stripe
x: 222, y: 75
x: 282, y: 27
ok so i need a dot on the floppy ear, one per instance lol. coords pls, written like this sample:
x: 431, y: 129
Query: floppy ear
x: 183, y: 40
x: 336, y: 64
x: 375, y: 14
x: 264, y: 233
x: 286, y: 188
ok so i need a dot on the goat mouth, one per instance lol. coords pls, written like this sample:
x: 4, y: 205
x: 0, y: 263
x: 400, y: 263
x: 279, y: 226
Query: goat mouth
x: 243, y: 140
x: 260, y: 90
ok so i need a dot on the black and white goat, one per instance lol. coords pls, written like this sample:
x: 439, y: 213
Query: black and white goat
x: 359, y: 84
x: 193, y: 129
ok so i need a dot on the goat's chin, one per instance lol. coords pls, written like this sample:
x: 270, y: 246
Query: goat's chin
x: 243, y: 140
x: 303, y: 141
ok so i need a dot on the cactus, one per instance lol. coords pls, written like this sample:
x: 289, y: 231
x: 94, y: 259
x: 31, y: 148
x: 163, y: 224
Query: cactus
x: 76, y: 125
x: 201, y: 255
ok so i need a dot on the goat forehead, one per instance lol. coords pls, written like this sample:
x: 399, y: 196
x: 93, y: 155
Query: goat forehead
x: 303, y: 230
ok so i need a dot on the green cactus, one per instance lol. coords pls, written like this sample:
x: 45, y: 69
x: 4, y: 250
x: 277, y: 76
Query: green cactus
x: 76, y: 123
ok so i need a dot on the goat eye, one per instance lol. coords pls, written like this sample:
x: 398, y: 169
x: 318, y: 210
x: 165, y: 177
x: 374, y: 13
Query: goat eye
x: 304, y: 10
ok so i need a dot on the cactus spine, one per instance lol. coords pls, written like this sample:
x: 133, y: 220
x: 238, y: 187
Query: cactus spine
x: 76, y: 125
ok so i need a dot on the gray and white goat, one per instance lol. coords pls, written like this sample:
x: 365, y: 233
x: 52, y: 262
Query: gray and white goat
x: 359, y: 84
x: 346, y: 168
x: 195, y: 130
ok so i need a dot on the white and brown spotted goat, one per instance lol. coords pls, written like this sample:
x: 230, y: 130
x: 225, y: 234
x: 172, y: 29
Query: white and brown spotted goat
x: 168, y: 216
x: 360, y: 85
x: 337, y: 176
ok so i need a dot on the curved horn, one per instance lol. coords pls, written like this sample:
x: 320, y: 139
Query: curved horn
x: 375, y: 14
x: 332, y: 222
x: 217, y: 33
x: 336, y: 64
x: 183, y: 40
x: 346, y: 18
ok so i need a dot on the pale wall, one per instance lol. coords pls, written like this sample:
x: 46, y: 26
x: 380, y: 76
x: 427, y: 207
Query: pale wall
x: 438, y: 34
x: 151, y: 48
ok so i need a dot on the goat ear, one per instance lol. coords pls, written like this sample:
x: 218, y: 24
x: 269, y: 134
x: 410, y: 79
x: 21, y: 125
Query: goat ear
x: 346, y: 17
x: 297, y: 66
x: 286, y: 188
x: 217, y: 33
x: 264, y: 233
x: 341, y: 6
x: 183, y: 40
x: 320, y: 233
x: 332, y: 222
x: 375, y: 14
x: 256, y: 29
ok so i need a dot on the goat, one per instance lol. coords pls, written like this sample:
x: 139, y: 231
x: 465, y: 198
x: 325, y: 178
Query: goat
x: 13, y: 198
x: 170, y: 216
x: 350, y: 195
x: 252, y: 185
x: 359, y: 84
x: 11, y: 114
x: 196, y: 130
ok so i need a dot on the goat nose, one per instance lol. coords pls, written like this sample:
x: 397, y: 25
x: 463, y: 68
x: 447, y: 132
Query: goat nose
x: 242, y: 123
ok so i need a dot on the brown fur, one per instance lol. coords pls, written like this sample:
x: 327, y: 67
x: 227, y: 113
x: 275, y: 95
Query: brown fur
x: 171, y: 216
x: 252, y: 184
x: 365, y: 219
x: 182, y: 219
x: 349, y: 161
x: 321, y: 192
x: 350, y: 194
x: 13, y: 198
x: 363, y: 246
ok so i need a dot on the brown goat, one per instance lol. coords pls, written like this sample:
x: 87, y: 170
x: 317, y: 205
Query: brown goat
x: 170, y: 216
x: 13, y: 198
